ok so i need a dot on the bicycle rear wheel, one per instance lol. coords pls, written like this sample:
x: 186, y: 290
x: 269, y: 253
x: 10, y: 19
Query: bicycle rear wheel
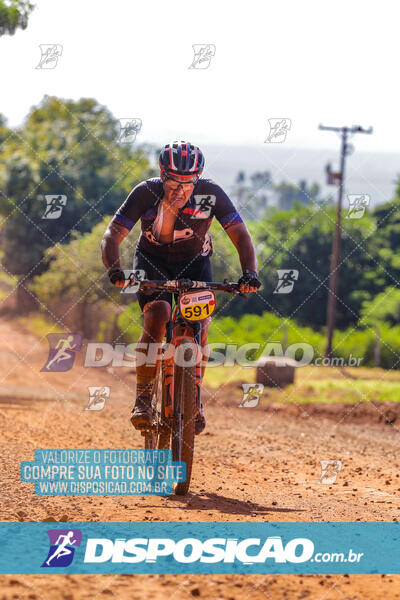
x: 184, y: 411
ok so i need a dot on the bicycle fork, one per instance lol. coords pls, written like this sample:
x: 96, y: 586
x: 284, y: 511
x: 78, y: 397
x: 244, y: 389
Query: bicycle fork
x: 171, y: 411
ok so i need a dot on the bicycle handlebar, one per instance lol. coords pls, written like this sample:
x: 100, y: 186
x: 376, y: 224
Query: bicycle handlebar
x: 184, y: 285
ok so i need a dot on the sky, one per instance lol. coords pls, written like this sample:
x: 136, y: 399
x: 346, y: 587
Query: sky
x: 311, y: 62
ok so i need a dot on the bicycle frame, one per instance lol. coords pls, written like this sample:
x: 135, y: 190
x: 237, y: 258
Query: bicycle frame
x: 191, y: 330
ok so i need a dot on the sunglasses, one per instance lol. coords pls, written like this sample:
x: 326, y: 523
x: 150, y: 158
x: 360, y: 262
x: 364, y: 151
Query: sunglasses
x: 175, y: 183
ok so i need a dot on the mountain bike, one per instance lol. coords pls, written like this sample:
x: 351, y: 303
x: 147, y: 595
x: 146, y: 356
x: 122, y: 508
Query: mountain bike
x: 177, y: 384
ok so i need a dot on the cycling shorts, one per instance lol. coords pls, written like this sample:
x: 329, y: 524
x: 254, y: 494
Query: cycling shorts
x: 198, y: 269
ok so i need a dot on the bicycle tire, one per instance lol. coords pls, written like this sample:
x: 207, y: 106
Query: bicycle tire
x: 184, y: 414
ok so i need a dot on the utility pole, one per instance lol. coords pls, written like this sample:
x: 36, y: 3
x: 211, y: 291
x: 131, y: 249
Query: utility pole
x: 337, y: 179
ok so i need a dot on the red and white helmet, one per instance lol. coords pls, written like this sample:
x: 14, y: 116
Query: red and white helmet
x: 181, y: 158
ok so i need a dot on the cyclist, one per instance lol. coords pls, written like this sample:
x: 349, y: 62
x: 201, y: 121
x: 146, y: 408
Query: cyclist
x: 174, y: 243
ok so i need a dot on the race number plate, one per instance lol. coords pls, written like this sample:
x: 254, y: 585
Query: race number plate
x: 196, y: 306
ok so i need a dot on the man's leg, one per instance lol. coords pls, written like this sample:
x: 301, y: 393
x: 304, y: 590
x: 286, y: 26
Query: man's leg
x: 155, y: 316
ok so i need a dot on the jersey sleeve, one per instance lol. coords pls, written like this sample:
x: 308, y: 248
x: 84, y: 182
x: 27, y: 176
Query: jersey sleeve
x: 134, y: 206
x: 225, y: 211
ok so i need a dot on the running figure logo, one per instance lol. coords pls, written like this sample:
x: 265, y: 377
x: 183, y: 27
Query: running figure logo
x: 203, y: 54
x: 132, y: 280
x: 62, y: 351
x: 329, y: 471
x: 54, y: 206
x: 287, y: 279
x: 97, y: 397
x: 278, y: 129
x: 129, y: 128
x: 251, y: 394
x: 204, y: 205
x: 357, y: 205
x: 62, y: 542
x: 50, y: 55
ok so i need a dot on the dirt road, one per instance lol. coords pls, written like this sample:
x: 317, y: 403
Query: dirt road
x: 251, y: 465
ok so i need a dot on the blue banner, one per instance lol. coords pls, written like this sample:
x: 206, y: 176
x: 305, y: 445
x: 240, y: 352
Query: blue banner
x: 202, y: 548
x: 103, y: 472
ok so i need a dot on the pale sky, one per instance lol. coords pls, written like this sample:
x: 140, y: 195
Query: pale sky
x: 310, y: 61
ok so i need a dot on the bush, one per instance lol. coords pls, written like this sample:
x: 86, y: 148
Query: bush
x: 359, y: 343
x: 130, y: 323
x: 263, y: 329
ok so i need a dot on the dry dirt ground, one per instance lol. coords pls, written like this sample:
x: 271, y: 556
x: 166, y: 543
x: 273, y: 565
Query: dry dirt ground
x: 251, y: 465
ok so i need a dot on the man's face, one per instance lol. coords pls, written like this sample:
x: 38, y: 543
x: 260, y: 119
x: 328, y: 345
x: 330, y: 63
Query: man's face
x: 178, y: 189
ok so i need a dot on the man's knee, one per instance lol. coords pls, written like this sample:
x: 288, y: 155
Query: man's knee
x: 157, y: 311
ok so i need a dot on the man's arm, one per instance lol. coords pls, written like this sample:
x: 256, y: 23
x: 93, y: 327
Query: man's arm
x: 232, y: 222
x: 242, y: 241
x: 113, y: 237
x: 236, y: 229
x: 135, y: 205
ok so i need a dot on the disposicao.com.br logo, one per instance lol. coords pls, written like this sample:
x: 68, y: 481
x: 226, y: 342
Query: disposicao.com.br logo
x: 249, y: 551
x: 190, y: 550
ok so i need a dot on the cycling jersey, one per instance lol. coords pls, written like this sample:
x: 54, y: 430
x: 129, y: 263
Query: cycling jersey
x: 191, y: 235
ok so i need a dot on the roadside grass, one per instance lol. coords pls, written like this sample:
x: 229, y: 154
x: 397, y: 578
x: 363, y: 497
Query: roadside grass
x: 347, y: 391
x: 323, y: 385
x: 214, y: 377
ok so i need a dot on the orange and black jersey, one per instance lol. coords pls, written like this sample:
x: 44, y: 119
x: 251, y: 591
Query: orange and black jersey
x: 191, y: 235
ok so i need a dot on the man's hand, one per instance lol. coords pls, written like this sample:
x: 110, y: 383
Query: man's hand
x: 248, y: 282
x: 117, y: 277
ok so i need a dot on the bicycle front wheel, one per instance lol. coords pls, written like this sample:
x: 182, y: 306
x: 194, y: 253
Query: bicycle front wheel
x: 184, y: 410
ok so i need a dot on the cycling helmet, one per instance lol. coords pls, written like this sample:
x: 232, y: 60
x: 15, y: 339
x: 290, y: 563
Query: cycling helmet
x: 181, y: 158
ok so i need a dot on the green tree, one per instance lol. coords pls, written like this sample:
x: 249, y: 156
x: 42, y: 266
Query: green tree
x: 76, y: 278
x: 387, y: 217
x: 14, y: 14
x: 301, y: 239
x: 64, y: 148
x: 384, y: 307
x: 4, y: 130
